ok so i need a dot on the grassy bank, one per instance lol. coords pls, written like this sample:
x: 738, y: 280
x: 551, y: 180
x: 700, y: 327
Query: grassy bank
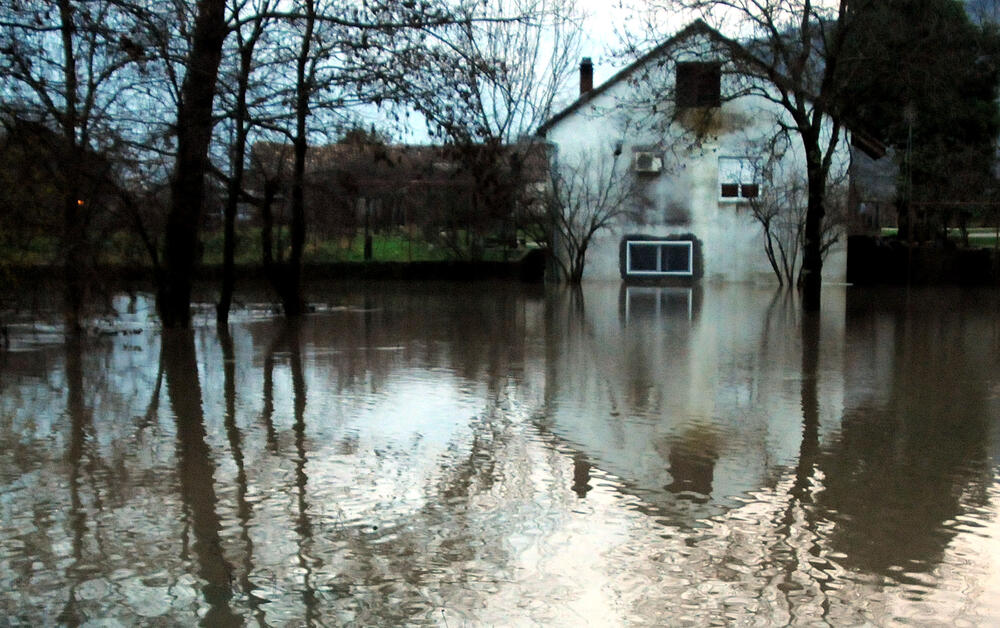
x: 979, y: 237
x: 125, y: 250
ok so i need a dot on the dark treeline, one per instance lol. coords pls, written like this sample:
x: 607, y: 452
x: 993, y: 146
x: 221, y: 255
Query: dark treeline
x: 129, y: 124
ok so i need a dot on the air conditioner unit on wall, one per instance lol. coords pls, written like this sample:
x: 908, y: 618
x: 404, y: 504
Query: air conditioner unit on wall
x: 647, y: 162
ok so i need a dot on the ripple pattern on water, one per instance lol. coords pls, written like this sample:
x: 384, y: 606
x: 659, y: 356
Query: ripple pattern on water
x: 407, y: 458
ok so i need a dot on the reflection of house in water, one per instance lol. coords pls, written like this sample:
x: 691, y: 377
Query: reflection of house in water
x: 692, y: 456
x: 686, y: 411
x: 651, y: 302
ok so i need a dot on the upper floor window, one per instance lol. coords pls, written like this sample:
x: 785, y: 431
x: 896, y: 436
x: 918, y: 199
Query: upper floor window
x: 698, y: 84
x: 739, y: 178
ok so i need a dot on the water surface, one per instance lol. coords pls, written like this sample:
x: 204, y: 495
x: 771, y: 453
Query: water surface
x: 496, y: 454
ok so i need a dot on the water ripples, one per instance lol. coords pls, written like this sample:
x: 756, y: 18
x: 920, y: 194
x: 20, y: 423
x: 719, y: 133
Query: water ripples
x: 504, y: 461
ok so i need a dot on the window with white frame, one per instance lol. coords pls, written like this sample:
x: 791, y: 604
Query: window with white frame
x: 739, y: 178
x: 659, y: 258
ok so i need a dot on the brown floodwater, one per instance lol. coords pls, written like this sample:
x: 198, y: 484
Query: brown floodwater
x: 496, y: 454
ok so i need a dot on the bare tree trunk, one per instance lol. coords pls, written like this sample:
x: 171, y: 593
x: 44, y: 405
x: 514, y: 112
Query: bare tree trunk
x: 194, y: 132
x: 73, y: 236
x: 235, y: 186
x: 769, y: 238
x: 267, y: 226
x: 288, y: 283
x: 229, y: 241
x: 812, y: 254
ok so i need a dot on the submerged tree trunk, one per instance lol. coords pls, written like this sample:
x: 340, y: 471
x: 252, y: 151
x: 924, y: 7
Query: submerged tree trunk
x: 287, y: 281
x: 187, y: 186
x: 73, y: 235
x: 242, y: 122
x: 73, y: 240
x: 229, y: 238
x: 812, y: 247
x: 229, y: 241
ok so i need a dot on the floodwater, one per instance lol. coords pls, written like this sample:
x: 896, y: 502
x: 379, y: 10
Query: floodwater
x: 504, y: 455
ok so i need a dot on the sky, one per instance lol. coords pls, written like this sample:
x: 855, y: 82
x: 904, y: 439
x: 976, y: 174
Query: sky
x: 604, y: 21
x: 599, y: 35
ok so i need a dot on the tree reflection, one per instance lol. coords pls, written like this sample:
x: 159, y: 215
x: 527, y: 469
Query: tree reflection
x: 303, y: 527
x: 244, y: 511
x: 81, y: 424
x: 289, y: 338
x: 905, y: 466
x: 196, y: 473
x: 267, y: 413
x: 802, y: 488
x: 581, y: 475
x: 798, y: 548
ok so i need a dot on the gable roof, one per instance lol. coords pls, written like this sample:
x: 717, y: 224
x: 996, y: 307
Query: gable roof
x: 860, y: 140
x: 698, y: 27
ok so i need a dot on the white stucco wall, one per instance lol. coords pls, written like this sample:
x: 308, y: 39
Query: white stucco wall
x: 688, y: 186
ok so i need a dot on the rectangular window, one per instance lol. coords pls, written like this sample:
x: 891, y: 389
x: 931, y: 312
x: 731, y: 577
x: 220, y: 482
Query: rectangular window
x: 699, y: 84
x: 659, y: 257
x: 739, y: 178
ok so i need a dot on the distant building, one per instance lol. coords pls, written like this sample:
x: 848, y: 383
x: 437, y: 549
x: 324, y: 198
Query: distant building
x: 426, y: 190
x: 874, y: 191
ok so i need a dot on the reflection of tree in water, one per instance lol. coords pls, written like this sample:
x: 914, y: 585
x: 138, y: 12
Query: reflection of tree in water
x: 196, y: 473
x: 288, y: 340
x: 95, y: 485
x: 581, y: 475
x: 396, y: 570
x: 902, y: 467
x: 303, y: 527
x: 81, y: 426
x: 379, y: 570
x: 374, y: 331
x: 267, y: 395
x: 244, y: 510
x: 795, y: 550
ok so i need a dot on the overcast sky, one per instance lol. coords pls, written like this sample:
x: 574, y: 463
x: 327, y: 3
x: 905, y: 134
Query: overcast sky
x: 604, y: 21
x: 599, y: 33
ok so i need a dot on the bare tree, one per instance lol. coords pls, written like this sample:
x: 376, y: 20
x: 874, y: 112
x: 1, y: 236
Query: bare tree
x: 781, y: 207
x: 491, y: 83
x: 791, y: 53
x: 583, y: 197
x: 65, y: 69
x: 247, y: 35
x: 345, y: 58
x: 187, y: 187
x: 327, y: 33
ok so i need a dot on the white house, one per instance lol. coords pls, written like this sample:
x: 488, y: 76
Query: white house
x: 694, y: 144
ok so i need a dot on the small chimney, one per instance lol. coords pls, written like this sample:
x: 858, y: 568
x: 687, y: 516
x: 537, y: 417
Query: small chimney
x: 586, y: 76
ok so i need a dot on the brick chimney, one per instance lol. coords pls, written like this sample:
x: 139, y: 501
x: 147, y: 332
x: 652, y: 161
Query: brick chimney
x: 586, y: 76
